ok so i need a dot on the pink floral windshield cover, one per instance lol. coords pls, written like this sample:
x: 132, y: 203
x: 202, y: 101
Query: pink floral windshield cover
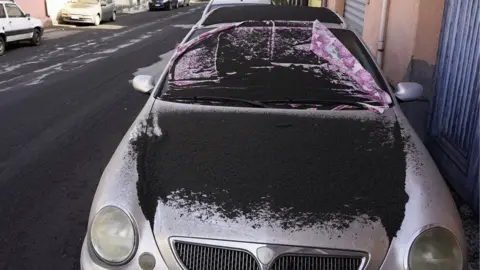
x: 275, y: 61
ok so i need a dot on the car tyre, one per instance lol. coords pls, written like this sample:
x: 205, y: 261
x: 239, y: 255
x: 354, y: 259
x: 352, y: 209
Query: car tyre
x: 177, y: 5
x: 114, y: 16
x: 170, y: 6
x: 188, y: 4
x: 97, y: 20
x: 3, y: 45
x: 36, y: 38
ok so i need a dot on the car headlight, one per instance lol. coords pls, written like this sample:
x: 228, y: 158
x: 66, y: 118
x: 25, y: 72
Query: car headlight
x: 112, y: 235
x: 435, y: 248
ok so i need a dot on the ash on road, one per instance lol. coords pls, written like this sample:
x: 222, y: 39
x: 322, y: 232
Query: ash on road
x: 64, y: 107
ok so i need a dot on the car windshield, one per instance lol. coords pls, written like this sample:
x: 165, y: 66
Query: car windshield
x: 281, y: 64
x: 85, y: 1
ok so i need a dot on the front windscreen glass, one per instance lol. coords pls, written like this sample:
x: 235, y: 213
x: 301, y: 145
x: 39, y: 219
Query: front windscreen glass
x: 276, y: 64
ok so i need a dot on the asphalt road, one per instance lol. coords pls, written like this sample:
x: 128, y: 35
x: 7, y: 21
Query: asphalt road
x: 64, y: 107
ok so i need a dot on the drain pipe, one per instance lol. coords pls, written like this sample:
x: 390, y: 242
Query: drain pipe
x: 382, y: 33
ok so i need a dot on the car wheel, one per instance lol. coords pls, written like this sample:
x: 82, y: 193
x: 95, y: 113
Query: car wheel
x: 114, y: 16
x: 188, y: 3
x: 170, y: 6
x: 177, y: 5
x: 36, y: 38
x: 3, y: 45
x: 97, y: 20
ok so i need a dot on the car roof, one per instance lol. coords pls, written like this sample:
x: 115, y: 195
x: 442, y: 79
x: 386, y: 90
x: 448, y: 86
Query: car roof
x: 7, y: 2
x: 270, y: 13
x: 239, y: 2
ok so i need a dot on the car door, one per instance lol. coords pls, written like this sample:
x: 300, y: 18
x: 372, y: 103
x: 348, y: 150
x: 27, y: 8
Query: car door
x: 19, y: 26
x: 110, y: 6
x: 105, y: 13
x: 4, y: 25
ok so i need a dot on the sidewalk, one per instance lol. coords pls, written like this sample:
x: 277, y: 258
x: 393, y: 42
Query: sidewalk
x: 54, y: 32
x: 133, y: 10
x: 471, y: 229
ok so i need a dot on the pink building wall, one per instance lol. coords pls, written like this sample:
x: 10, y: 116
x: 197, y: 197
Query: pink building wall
x: 36, y: 8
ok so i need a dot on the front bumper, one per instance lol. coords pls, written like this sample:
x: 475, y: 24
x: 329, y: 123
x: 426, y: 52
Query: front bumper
x: 78, y: 18
x: 90, y: 261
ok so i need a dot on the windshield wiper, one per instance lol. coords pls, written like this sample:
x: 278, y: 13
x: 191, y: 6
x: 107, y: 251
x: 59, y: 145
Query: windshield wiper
x: 314, y: 101
x: 252, y: 103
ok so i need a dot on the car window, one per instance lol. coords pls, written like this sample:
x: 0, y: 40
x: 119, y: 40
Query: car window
x: 253, y: 63
x: 2, y: 12
x: 350, y: 40
x: 13, y: 11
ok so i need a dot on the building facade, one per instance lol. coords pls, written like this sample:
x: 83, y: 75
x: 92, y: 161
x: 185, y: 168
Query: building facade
x: 36, y: 8
x: 435, y: 43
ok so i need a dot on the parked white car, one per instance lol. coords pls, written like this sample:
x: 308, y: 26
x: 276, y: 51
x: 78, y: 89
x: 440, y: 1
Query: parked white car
x: 16, y: 25
x: 214, y: 4
x: 89, y: 11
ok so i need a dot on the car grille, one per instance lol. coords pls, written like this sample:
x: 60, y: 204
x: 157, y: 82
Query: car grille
x: 199, y: 257
x: 299, y: 262
x: 203, y: 257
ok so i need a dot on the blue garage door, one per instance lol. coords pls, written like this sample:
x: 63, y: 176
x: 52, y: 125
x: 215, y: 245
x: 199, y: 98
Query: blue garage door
x: 453, y: 127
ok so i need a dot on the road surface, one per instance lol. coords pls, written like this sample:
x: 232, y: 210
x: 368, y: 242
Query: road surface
x: 64, y: 107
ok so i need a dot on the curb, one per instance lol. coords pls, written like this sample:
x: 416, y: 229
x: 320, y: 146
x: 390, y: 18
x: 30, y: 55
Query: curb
x: 127, y: 11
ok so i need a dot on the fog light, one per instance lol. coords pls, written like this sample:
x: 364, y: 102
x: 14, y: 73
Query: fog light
x: 146, y: 261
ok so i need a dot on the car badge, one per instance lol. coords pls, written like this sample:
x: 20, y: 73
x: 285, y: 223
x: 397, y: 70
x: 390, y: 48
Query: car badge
x: 265, y: 255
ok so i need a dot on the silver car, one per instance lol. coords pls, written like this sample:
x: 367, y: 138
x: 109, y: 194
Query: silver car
x: 274, y: 144
x: 89, y: 11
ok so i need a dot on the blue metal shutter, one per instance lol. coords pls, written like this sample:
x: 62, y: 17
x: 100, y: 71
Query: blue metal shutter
x: 355, y: 14
x: 454, y: 128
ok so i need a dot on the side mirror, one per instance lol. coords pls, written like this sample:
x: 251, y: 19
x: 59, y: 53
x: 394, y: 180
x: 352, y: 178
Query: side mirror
x: 143, y: 83
x: 408, y: 91
x: 27, y: 15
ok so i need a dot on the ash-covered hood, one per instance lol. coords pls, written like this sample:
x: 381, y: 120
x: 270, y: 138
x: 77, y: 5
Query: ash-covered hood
x: 308, y: 180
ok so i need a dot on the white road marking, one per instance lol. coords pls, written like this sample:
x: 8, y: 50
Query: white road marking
x: 184, y: 26
x: 48, y: 68
x: 8, y: 68
x: 88, y: 61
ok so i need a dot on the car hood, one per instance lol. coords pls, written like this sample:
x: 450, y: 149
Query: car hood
x: 334, y: 180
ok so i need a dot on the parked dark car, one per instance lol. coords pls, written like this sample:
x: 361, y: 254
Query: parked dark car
x: 163, y: 4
